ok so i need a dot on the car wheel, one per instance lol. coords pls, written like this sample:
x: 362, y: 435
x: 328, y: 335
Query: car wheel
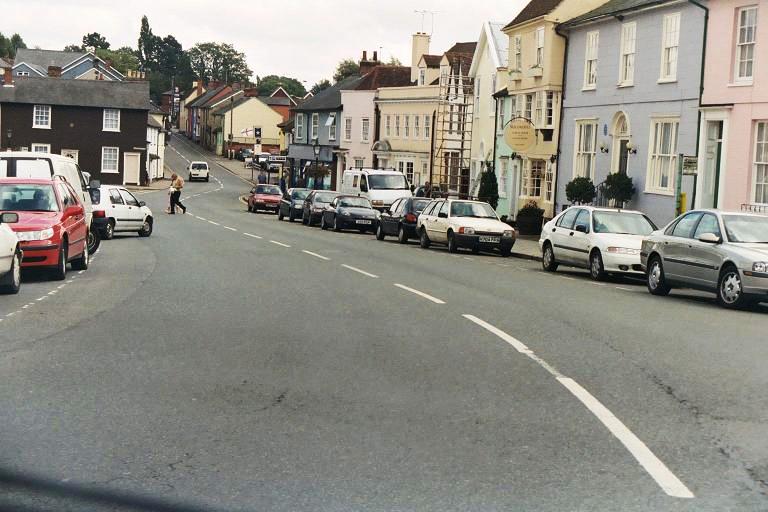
x: 730, y: 290
x: 452, y: 247
x: 596, y: 268
x: 336, y: 224
x: 424, y: 241
x: 280, y: 215
x: 379, y: 232
x: 323, y: 225
x: 655, y: 279
x: 60, y: 271
x: 402, y: 236
x: 506, y: 252
x: 109, y: 230
x: 207, y: 179
x: 94, y: 240
x: 146, y: 228
x: 11, y: 283
x: 82, y: 262
x: 548, y: 258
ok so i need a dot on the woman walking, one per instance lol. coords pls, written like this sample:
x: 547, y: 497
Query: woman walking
x: 177, y: 183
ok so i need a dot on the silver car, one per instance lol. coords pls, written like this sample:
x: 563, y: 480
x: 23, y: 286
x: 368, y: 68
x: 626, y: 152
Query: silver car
x: 717, y: 251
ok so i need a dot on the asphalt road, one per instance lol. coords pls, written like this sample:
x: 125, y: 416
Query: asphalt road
x: 235, y: 362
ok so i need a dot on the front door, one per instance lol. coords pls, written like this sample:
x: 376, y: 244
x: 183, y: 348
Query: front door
x: 131, y: 168
x: 623, y: 155
x: 711, y: 173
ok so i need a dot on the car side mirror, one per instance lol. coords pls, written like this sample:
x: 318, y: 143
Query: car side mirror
x: 9, y: 218
x: 710, y: 238
x: 94, y: 184
x: 142, y: 203
x: 581, y: 228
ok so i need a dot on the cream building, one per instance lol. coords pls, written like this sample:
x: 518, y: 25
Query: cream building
x: 241, y: 117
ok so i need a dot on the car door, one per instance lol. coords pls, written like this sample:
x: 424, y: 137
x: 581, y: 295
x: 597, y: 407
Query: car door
x: 388, y: 218
x: 580, y: 241
x: 676, y: 248
x: 134, y: 213
x: 79, y: 229
x: 431, y: 222
x: 561, y: 235
x: 118, y: 210
x: 330, y: 212
x: 440, y: 224
x: 70, y: 221
x: 706, y: 258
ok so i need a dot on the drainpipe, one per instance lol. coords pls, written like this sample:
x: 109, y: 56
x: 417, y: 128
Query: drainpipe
x: 701, y: 94
x: 560, y: 122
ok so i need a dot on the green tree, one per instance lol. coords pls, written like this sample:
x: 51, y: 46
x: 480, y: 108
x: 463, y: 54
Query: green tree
x: 73, y: 48
x: 123, y: 59
x: 219, y: 62
x: 619, y: 187
x: 580, y: 190
x: 345, y: 69
x: 95, y: 40
x: 320, y: 86
x: 148, y: 46
x: 266, y: 85
x: 165, y: 61
x: 394, y: 61
x: 489, y: 187
x: 9, y: 45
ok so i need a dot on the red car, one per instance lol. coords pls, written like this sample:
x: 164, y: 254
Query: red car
x: 265, y: 197
x: 52, y: 229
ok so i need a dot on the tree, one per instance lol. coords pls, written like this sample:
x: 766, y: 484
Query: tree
x: 148, y: 46
x: 95, y: 40
x: 489, y: 187
x: 345, y: 69
x: 619, y: 188
x: 267, y: 85
x: 394, y: 61
x: 164, y: 59
x: 580, y: 190
x: 123, y: 59
x: 320, y: 86
x: 73, y: 48
x: 9, y: 45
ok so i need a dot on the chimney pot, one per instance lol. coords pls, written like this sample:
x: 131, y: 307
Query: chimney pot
x: 365, y: 55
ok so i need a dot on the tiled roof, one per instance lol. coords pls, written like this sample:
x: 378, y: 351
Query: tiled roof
x: 79, y: 93
x: 613, y: 7
x: 44, y: 58
x: 330, y: 98
x: 463, y: 48
x: 534, y: 9
x: 385, y: 76
x: 205, y: 98
x: 432, y: 61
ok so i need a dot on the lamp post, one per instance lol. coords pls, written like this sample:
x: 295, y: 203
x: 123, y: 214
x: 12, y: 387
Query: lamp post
x: 9, y: 134
x: 316, y: 149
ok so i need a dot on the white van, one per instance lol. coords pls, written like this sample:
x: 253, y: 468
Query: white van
x: 380, y: 187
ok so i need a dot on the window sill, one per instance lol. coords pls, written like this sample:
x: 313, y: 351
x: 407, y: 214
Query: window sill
x: 104, y: 171
x: 745, y: 83
x: 111, y: 130
x: 589, y: 88
x: 666, y: 80
x: 658, y: 192
x: 628, y: 84
x: 41, y: 127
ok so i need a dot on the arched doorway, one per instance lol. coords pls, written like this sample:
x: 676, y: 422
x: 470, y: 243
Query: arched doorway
x: 621, y: 138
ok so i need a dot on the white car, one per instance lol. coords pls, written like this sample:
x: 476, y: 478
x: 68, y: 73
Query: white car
x: 10, y: 255
x: 198, y: 171
x: 124, y: 213
x: 469, y: 224
x: 603, y: 240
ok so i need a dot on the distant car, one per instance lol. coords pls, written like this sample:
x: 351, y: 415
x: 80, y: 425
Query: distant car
x: 314, y: 206
x: 349, y: 212
x: 716, y: 251
x: 292, y: 203
x: 10, y: 255
x: 122, y: 212
x: 264, y: 198
x: 244, y: 154
x: 199, y: 171
x: 400, y: 220
x: 603, y: 240
x: 52, y: 229
x: 469, y: 224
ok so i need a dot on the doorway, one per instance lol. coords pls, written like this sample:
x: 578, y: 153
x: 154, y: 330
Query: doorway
x: 621, y: 137
x: 131, y: 168
x: 713, y: 161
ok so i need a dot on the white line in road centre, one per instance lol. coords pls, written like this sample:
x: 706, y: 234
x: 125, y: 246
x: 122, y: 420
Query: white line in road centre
x: 214, y: 223
x: 355, y: 269
x: 229, y: 228
x: 281, y: 244
x: 316, y: 255
x: 420, y: 294
x: 201, y: 218
x: 655, y: 468
x: 252, y: 236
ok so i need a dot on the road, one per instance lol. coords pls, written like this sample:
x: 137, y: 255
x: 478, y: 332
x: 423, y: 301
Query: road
x: 235, y: 362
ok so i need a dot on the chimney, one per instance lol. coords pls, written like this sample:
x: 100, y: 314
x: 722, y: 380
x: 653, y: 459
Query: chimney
x: 420, y: 46
x: 365, y: 55
x: 366, y: 66
x: 375, y: 55
x: 199, y: 86
x: 7, y: 77
x: 54, y: 71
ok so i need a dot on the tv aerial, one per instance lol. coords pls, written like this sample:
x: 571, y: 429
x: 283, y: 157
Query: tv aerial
x: 423, y: 18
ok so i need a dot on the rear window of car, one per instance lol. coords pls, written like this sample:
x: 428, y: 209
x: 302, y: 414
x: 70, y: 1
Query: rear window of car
x: 324, y: 197
x: 199, y: 166
x: 419, y: 205
x: 269, y: 190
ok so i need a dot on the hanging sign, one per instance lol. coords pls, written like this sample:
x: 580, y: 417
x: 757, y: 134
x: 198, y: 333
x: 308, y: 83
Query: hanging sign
x: 520, y: 135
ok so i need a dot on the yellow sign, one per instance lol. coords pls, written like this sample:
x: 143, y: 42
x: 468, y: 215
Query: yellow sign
x: 520, y: 135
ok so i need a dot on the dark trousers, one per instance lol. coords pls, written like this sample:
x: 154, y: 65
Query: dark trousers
x: 175, y: 196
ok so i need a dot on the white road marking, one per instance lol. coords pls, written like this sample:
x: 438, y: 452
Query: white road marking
x: 420, y: 294
x: 60, y: 286
x: 252, y: 236
x: 316, y: 255
x: 281, y: 244
x: 82, y: 271
x: 43, y: 297
x: 201, y: 218
x: 25, y: 306
x: 596, y: 284
x: 229, y: 228
x: 52, y: 292
x: 214, y: 223
x: 355, y: 269
x: 568, y: 278
x: 468, y: 259
x: 669, y: 483
x: 625, y: 289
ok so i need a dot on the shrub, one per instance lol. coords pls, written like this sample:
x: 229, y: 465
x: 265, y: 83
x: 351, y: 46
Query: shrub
x: 580, y: 190
x: 530, y: 209
x: 489, y: 188
x: 619, y: 187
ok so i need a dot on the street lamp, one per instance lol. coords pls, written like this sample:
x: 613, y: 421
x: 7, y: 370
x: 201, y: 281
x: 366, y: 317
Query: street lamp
x: 316, y: 149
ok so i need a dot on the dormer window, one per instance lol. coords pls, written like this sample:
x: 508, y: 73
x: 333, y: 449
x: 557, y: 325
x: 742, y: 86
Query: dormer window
x: 422, y: 76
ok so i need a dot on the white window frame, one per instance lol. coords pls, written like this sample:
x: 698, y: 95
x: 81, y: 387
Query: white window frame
x: 502, y: 114
x: 670, y: 47
x: 105, y: 170
x: 331, y: 127
x: 416, y: 127
x: 407, y: 127
x: 518, y: 48
x: 760, y: 163
x: 315, y: 128
x: 22, y: 73
x: 747, y: 44
x: 348, y: 129
x: 539, y: 36
x: 105, y: 119
x: 549, y: 109
x: 300, y: 126
x: 657, y: 160
x: 422, y: 76
x: 531, y: 183
x: 359, y: 162
x: 397, y: 126
x: 427, y: 127
x: 388, y: 126
x: 528, y: 101
x: 35, y: 146
x: 591, y: 60
x: 42, y: 112
x: 492, y: 99
x: 538, y: 116
x: 627, y: 54
x: 503, y: 176
x: 365, y: 129
x: 584, y: 150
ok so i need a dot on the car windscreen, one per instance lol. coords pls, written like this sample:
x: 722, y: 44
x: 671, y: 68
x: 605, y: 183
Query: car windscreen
x: 746, y: 229
x: 387, y: 182
x: 354, y: 202
x: 269, y: 190
x: 324, y: 198
x: 478, y: 210
x: 199, y: 166
x: 28, y: 198
x: 622, y: 223
x: 300, y: 194
x: 420, y: 204
x: 25, y: 167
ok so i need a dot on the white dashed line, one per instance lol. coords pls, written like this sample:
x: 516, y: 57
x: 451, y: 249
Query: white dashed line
x: 214, y: 223
x: 83, y: 271
x: 252, y: 236
x: 626, y: 289
x: 43, y: 297
x: 201, y: 218
x: 229, y: 228
x: 281, y: 244
x: 316, y: 255
x: 420, y: 294
x: 355, y: 269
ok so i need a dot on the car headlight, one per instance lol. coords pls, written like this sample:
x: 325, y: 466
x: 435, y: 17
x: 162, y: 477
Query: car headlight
x: 29, y: 236
x: 508, y: 233
x: 467, y: 231
x: 345, y: 213
x: 760, y: 266
x: 377, y: 203
x: 624, y: 250
x: 317, y: 210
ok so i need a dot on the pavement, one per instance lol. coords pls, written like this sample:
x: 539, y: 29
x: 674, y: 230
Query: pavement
x: 235, y: 362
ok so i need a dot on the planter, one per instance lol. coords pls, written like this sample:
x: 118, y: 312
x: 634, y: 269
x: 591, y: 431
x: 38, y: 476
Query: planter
x: 529, y: 225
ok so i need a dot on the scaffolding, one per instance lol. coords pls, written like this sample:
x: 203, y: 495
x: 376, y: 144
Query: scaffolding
x: 452, y: 156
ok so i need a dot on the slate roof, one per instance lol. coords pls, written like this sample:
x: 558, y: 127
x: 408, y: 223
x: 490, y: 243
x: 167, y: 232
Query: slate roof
x: 78, y: 93
x: 534, y: 9
x: 611, y: 8
x: 227, y: 106
x: 432, y: 61
x: 203, y: 98
x: 5, y: 63
x: 41, y: 59
x: 330, y: 98
x: 275, y: 101
x: 385, y: 76
x: 501, y: 42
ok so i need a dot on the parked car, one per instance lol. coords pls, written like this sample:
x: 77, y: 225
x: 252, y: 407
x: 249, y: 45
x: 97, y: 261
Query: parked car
x: 123, y: 212
x: 603, y: 240
x: 244, y: 154
x: 716, y: 251
x: 464, y: 224
x: 380, y: 187
x: 10, y: 255
x: 349, y: 212
x: 265, y: 198
x: 292, y: 203
x: 198, y: 171
x: 400, y: 219
x: 314, y: 206
x: 52, y: 229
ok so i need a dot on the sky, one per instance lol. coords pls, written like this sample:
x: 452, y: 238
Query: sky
x: 299, y: 38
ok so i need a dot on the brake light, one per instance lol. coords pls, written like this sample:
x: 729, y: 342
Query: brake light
x: 99, y: 214
x: 409, y: 217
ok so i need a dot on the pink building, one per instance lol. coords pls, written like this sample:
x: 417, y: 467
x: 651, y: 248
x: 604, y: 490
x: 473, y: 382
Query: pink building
x: 733, y: 137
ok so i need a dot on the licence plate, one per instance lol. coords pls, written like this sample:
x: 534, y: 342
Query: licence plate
x: 362, y: 222
x: 489, y: 239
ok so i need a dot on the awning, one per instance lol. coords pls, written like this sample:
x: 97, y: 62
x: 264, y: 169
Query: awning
x: 331, y: 120
x: 305, y: 152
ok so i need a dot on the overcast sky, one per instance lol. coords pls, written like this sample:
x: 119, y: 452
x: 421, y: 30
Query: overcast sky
x: 299, y: 38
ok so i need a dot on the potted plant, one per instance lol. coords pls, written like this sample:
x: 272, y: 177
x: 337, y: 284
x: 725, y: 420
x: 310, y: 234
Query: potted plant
x: 580, y: 190
x: 619, y: 188
x: 530, y: 218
